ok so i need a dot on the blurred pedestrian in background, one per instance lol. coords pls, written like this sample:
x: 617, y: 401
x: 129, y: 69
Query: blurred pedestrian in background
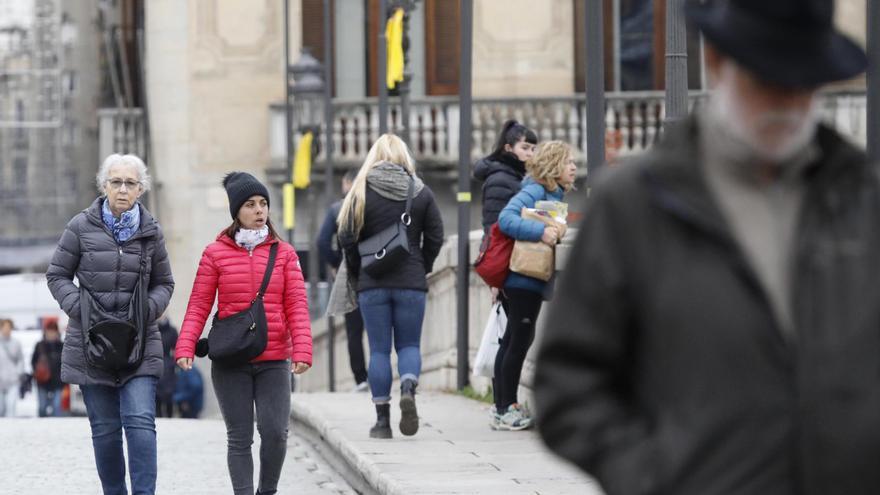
x: 231, y: 271
x: 166, y: 385
x: 331, y: 255
x: 504, y: 169
x: 46, y: 366
x: 189, y: 393
x: 391, y: 300
x: 105, y: 247
x: 550, y: 173
x: 11, y: 368
x: 502, y: 173
x: 717, y: 327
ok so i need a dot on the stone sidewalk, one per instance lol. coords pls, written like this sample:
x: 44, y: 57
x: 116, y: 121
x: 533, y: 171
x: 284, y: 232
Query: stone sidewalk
x: 455, y: 451
x: 53, y: 456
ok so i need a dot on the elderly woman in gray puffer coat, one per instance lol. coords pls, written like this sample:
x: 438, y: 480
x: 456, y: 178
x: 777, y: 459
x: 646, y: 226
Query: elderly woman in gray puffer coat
x: 104, y: 246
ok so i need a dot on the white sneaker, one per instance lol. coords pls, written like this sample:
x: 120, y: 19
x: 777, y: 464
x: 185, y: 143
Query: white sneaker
x: 512, y: 420
x: 363, y: 386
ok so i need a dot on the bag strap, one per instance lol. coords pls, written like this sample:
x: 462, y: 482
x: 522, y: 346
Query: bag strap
x: 270, y: 265
x: 406, y: 218
x: 143, y: 257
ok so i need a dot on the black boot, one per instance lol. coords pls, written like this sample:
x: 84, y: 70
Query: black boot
x: 382, y: 428
x: 409, y: 418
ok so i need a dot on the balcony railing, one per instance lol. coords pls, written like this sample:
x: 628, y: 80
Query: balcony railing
x: 633, y: 123
x: 121, y: 130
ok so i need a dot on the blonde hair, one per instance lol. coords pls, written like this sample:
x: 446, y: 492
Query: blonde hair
x: 548, y: 163
x: 388, y: 148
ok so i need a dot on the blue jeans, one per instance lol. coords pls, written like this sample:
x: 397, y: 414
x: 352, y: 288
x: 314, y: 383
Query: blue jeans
x: 392, y: 314
x: 49, y: 402
x: 131, y: 407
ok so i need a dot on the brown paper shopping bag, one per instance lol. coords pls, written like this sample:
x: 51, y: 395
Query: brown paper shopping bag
x: 533, y: 259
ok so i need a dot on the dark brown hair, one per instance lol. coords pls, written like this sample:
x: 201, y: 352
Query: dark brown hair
x: 233, y: 228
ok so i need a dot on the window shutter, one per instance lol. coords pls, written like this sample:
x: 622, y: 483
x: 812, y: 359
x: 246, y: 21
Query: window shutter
x: 442, y: 46
x: 313, y: 31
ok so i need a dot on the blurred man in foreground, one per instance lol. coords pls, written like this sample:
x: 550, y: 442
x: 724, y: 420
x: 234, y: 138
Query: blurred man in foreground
x: 717, y: 328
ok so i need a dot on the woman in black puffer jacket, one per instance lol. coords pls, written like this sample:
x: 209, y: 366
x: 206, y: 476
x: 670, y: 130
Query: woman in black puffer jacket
x: 503, y: 170
x: 105, y: 247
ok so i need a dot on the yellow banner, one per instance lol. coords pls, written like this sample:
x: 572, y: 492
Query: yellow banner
x: 289, y: 206
x: 302, y: 162
x: 394, y: 40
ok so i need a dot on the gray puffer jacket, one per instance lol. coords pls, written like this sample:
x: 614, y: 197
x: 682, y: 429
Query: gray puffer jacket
x: 109, y: 271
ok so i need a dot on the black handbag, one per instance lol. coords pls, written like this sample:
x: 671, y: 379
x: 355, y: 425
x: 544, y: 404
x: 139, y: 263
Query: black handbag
x: 383, y: 251
x: 238, y: 338
x: 116, y: 344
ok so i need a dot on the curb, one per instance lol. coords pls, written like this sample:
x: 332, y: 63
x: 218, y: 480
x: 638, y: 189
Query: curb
x: 343, y: 448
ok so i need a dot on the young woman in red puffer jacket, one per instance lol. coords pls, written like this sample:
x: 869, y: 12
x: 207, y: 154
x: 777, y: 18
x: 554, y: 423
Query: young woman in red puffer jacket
x: 232, y: 268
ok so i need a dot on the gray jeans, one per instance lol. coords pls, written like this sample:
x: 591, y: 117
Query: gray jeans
x: 239, y: 389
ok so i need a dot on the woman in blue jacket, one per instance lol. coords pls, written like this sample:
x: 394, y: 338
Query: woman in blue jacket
x: 550, y: 173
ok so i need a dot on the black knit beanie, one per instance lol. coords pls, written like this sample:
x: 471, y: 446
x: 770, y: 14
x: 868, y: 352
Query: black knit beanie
x: 240, y: 186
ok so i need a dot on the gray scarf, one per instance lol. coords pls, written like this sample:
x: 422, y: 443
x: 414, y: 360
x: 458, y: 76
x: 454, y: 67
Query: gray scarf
x: 392, y: 181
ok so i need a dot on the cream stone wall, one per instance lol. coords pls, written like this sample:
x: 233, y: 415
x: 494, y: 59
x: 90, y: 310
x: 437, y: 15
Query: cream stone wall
x: 849, y: 15
x: 521, y: 49
x: 213, y: 68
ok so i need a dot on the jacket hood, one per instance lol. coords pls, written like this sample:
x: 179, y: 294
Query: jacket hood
x: 392, y: 181
x: 505, y: 163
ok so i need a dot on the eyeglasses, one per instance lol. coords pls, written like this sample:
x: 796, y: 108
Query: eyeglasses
x: 129, y: 184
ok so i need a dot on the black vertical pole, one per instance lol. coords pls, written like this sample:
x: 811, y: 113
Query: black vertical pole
x: 464, y: 191
x: 873, y: 81
x: 328, y: 169
x: 288, y: 107
x: 382, y: 68
x: 595, y: 82
x: 676, y: 62
x: 403, y: 88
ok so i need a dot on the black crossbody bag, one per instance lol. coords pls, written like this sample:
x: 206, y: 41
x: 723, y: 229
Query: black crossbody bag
x: 114, y: 344
x: 383, y: 251
x: 238, y: 338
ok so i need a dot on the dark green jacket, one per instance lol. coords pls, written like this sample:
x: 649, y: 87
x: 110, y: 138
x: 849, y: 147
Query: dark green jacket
x: 662, y: 369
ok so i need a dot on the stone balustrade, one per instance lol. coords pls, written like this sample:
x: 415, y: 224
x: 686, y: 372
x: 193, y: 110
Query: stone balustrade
x: 633, y: 123
x: 121, y: 130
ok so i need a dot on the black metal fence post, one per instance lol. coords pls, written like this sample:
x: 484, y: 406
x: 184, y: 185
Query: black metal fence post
x: 464, y: 192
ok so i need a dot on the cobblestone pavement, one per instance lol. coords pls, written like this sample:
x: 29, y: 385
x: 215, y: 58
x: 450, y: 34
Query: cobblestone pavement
x: 54, y: 456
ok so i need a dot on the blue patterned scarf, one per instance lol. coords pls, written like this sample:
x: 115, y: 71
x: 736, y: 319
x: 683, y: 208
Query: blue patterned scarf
x: 125, y: 226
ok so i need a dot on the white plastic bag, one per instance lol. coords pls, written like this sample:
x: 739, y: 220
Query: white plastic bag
x: 484, y: 363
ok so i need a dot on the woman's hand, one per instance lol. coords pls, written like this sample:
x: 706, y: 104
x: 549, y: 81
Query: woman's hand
x: 185, y: 363
x: 494, y: 291
x: 551, y: 235
x: 300, y: 368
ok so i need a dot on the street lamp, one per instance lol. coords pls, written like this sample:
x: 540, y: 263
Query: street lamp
x: 310, y: 107
x: 307, y: 91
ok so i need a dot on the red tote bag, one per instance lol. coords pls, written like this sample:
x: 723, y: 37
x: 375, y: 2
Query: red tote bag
x: 493, y: 262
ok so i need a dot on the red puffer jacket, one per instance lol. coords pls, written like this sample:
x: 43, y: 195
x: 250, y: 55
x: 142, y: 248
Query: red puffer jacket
x: 230, y: 272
